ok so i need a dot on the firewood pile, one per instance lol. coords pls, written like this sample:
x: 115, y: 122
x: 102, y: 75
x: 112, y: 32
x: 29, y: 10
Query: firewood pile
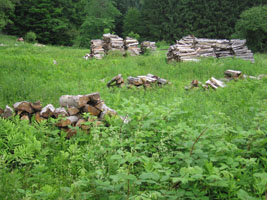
x: 148, y: 45
x: 113, y: 43
x: 70, y: 112
x: 131, y: 46
x: 221, y: 83
x: 146, y: 81
x: 190, y: 48
x: 97, y: 50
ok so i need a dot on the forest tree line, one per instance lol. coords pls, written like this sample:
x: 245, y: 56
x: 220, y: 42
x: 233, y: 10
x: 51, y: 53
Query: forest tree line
x: 76, y: 22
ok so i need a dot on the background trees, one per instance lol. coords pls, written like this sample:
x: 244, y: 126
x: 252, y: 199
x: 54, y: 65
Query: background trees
x: 68, y: 22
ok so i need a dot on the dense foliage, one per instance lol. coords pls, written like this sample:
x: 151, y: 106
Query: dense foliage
x: 252, y: 26
x: 179, y: 144
x: 76, y: 22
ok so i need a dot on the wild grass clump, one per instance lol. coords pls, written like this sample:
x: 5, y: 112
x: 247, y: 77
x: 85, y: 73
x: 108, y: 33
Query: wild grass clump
x: 178, y: 145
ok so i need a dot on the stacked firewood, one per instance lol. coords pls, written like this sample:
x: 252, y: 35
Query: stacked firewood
x: 148, y: 45
x: 69, y: 114
x: 146, y: 81
x: 190, y: 48
x: 221, y: 83
x: 240, y: 50
x: 97, y: 50
x: 131, y: 46
x: 184, y: 50
x: 113, y: 43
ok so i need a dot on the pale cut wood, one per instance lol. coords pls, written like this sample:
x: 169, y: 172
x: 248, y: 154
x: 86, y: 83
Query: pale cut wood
x: 94, y: 98
x: 73, y: 111
x: 60, y: 112
x: 92, y: 110
x: 37, y: 106
x: 73, y: 101
x: 25, y: 117
x: 232, y: 73
x: 217, y: 82
x: 23, y: 106
x: 209, y: 83
x: 8, y: 112
x: 47, y: 111
x: 71, y: 120
x: 107, y: 111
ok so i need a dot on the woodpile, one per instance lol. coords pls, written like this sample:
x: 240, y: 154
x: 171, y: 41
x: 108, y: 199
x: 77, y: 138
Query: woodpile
x: 113, y: 43
x: 190, y: 48
x: 131, y: 46
x: 116, y: 81
x: 146, y: 81
x: 221, y: 83
x: 97, y: 49
x: 147, y: 45
x: 71, y: 112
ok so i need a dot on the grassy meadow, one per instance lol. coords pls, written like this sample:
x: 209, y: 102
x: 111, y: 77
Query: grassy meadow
x: 178, y: 145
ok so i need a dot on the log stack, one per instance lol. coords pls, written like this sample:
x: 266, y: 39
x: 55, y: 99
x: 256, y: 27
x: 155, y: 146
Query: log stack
x: 147, y: 45
x: 116, y: 81
x: 146, y: 81
x: 131, y: 46
x: 241, y: 51
x: 190, y: 48
x: 113, y: 43
x: 97, y: 50
x: 71, y: 112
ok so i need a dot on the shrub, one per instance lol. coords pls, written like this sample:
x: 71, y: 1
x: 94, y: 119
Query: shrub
x: 30, y: 37
x: 252, y: 26
x: 134, y: 35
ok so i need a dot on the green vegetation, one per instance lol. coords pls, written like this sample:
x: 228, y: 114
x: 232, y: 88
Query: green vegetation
x: 179, y: 144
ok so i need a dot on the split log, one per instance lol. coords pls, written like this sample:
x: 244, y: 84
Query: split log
x: 38, y: 117
x: 60, y: 112
x: 107, y: 111
x: 81, y: 124
x: 116, y: 81
x: 217, y: 82
x: 232, y: 73
x: 94, y: 98
x: 73, y: 101
x: 67, y: 121
x: 209, y: 83
x: 37, y: 106
x: 92, y: 110
x: 1, y: 111
x: 25, y: 117
x: 70, y: 132
x: 8, y: 112
x: 47, y: 111
x: 73, y: 111
x: 23, y: 106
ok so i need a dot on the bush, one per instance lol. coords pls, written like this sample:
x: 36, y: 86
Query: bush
x: 30, y: 37
x: 252, y: 26
x: 134, y: 35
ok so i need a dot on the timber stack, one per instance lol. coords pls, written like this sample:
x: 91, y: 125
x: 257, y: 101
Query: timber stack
x: 116, y: 81
x: 146, y: 81
x: 113, y: 43
x: 97, y: 50
x: 70, y: 113
x: 131, y: 46
x: 147, y: 45
x: 190, y: 48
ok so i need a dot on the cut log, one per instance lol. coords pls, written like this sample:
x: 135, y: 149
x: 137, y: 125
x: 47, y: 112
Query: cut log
x: 8, y: 112
x: 47, y: 111
x: 37, y: 106
x: 94, y: 98
x: 115, y: 81
x: 60, y: 112
x: 23, y: 106
x: 1, y: 111
x: 81, y: 124
x: 209, y: 83
x: 217, y: 82
x: 92, y: 110
x: 67, y: 121
x: 73, y: 101
x: 25, y: 117
x: 73, y: 111
x: 232, y: 73
x: 107, y: 111
x: 38, y: 117
x: 70, y: 132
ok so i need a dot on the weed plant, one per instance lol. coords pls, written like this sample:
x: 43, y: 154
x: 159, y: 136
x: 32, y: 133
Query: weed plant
x: 178, y: 145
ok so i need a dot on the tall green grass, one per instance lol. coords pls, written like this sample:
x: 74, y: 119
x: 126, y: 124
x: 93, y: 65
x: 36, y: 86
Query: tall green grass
x: 152, y: 156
